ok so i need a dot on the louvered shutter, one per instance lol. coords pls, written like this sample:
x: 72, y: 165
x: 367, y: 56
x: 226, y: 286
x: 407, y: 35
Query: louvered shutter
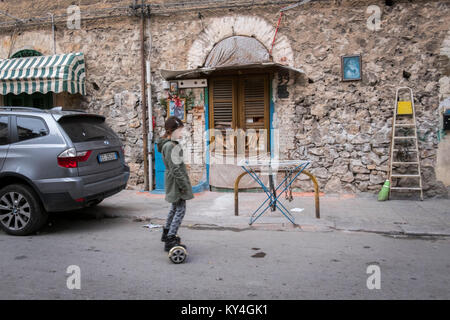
x: 254, y: 102
x: 222, y: 100
x: 240, y: 102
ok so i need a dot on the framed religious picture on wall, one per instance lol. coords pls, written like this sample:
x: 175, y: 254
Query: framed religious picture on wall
x: 177, y: 107
x: 351, y: 67
x: 173, y: 87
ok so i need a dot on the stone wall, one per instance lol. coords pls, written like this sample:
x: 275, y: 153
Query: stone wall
x: 342, y: 127
x: 111, y: 49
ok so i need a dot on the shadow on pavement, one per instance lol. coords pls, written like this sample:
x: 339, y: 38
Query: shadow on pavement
x: 72, y: 221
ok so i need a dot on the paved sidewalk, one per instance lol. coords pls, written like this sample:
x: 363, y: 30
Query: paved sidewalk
x: 362, y: 212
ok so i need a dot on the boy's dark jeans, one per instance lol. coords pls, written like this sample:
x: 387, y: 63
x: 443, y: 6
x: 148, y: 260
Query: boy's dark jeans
x: 176, y: 215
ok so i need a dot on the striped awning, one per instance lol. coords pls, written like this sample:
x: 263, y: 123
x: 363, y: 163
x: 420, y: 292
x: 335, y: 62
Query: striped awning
x: 58, y: 73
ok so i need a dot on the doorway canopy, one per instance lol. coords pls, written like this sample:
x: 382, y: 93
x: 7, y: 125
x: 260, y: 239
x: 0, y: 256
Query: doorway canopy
x: 236, y: 52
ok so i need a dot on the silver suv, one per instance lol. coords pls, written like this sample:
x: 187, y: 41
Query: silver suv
x: 53, y: 160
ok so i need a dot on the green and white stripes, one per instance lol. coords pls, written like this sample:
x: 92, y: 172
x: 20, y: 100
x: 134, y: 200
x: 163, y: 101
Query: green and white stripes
x: 58, y: 73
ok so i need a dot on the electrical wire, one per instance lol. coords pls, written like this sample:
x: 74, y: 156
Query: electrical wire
x: 181, y: 7
x: 154, y: 9
x: 62, y: 18
x: 10, y: 16
x: 282, y: 10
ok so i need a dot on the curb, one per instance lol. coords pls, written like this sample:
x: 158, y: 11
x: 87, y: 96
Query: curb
x: 286, y: 227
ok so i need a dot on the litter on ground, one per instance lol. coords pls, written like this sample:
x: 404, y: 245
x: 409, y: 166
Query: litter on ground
x: 152, y: 226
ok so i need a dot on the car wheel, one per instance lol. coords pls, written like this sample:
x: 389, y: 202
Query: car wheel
x: 21, y: 212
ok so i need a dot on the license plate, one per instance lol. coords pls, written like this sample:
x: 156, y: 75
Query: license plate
x: 105, y: 157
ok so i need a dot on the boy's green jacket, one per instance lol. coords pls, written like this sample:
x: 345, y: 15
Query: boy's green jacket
x: 176, y: 179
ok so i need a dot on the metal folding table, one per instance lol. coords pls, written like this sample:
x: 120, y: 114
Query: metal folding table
x: 293, y: 169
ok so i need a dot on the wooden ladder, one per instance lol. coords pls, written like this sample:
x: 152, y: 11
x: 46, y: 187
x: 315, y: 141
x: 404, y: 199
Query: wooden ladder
x: 407, y: 111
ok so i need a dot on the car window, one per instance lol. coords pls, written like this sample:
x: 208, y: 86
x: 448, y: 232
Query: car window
x: 30, y: 128
x: 83, y: 129
x: 3, y: 130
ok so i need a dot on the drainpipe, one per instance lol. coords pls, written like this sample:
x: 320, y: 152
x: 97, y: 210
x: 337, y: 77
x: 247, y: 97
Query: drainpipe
x: 53, y: 32
x: 54, y: 50
x: 144, y: 103
x: 150, y: 128
x: 150, y: 107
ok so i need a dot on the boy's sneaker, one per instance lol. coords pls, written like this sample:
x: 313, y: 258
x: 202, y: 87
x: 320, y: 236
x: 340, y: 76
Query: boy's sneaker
x: 164, y: 234
x: 172, y: 241
x: 179, y: 242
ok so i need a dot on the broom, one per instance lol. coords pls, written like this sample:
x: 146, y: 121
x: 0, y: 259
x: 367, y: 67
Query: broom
x: 383, y: 195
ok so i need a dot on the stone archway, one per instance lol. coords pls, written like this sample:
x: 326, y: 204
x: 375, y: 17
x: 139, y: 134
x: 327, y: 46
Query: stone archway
x: 30, y: 40
x: 251, y: 26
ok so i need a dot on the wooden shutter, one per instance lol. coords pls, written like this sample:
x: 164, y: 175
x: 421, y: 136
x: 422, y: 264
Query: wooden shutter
x: 223, y: 105
x: 239, y: 102
x: 254, y: 110
x: 254, y: 102
x: 223, y: 101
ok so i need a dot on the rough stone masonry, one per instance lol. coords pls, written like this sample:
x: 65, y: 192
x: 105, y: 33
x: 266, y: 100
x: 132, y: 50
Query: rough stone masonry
x: 343, y: 128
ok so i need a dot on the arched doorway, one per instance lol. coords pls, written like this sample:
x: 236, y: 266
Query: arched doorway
x: 239, y: 104
x: 239, y: 97
x: 35, y: 100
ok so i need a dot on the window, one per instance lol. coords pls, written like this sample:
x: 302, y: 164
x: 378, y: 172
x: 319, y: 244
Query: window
x: 26, y: 53
x: 240, y: 102
x: 86, y: 128
x: 253, y: 103
x: 35, y: 100
x: 223, y: 94
x: 3, y: 130
x: 30, y: 128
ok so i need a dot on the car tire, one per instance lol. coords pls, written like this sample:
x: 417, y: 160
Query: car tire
x: 21, y: 212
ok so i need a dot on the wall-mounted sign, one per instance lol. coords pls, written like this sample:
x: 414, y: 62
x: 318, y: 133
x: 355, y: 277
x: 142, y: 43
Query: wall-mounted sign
x: 351, y: 67
x: 193, y: 83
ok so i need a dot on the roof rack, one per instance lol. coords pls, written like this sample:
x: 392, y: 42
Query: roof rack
x: 6, y: 108
x: 21, y: 108
x: 61, y: 109
x: 75, y: 110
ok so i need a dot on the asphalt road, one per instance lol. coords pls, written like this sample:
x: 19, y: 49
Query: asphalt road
x: 119, y: 259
